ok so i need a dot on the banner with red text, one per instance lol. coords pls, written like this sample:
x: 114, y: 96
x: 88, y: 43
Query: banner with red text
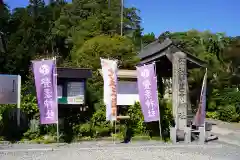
x: 109, y: 71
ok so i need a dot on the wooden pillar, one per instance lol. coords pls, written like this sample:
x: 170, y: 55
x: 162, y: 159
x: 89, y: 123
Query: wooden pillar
x: 179, y: 90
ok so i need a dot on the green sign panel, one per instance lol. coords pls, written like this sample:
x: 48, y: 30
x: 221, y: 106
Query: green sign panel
x: 75, y: 93
x: 71, y: 100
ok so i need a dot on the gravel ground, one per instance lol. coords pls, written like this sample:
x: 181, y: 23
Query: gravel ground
x: 148, y: 150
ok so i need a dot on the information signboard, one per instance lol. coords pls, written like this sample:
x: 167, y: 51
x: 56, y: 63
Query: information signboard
x: 10, y: 89
x: 75, y: 92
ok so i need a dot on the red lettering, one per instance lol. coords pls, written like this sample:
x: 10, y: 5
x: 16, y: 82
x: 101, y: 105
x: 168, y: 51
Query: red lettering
x: 112, y: 84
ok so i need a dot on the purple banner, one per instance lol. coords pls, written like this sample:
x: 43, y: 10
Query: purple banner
x: 201, y: 112
x: 148, y: 95
x: 46, y: 87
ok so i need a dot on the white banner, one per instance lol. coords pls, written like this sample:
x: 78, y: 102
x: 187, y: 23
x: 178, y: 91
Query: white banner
x: 109, y: 71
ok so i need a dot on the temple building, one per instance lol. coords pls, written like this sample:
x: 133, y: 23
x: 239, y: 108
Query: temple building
x: 172, y: 64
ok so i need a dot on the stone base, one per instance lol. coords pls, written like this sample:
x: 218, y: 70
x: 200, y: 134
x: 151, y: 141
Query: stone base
x: 202, y: 136
x: 173, y: 135
x: 180, y: 135
x: 187, y: 135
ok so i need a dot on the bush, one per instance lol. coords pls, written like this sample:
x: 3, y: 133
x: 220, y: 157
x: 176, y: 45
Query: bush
x: 102, y: 131
x: 96, y: 127
x: 48, y: 129
x: 83, y: 130
x: 10, y: 129
x: 99, y: 117
x: 29, y: 105
x: 100, y: 126
x: 40, y: 132
x: 228, y: 113
x: 211, y: 106
x: 166, y: 116
x: 139, y: 127
x: 213, y: 115
x: 8, y: 115
x: 136, y: 121
x: 31, y: 135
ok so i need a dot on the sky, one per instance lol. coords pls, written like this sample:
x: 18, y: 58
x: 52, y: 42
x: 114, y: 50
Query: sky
x: 159, y: 16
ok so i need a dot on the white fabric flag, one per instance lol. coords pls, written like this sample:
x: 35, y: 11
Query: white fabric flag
x: 109, y: 71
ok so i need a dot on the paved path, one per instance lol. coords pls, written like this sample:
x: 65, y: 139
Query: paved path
x: 150, y: 150
x: 227, y: 132
x: 230, y: 126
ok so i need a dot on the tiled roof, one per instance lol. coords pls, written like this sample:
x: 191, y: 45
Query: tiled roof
x: 155, y: 49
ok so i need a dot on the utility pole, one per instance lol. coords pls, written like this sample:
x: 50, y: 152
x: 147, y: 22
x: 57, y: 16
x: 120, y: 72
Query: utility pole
x: 122, y: 7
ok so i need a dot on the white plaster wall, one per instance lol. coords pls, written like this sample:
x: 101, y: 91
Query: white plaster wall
x: 127, y: 93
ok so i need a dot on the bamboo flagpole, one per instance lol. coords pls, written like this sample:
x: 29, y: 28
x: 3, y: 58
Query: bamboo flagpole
x: 115, y: 130
x: 204, y: 114
x: 159, y: 121
x: 56, y: 96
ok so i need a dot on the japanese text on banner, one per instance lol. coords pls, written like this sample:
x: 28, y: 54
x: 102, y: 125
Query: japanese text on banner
x: 48, y: 99
x: 147, y: 93
x: 46, y: 88
x: 47, y: 92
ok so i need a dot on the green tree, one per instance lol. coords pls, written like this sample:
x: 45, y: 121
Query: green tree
x: 148, y: 38
x: 113, y: 47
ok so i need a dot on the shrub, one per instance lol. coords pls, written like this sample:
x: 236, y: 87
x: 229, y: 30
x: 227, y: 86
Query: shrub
x: 31, y: 134
x: 228, y: 113
x: 48, y: 129
x: 138, y: 125
x: 136, y: 121
x: 166, y: 116
x: 8, y: 115
x: 211, y: 106
x: 83, y: 130
x: 100, y: 127
x: 99, y: 117
x: 213, y: 115
x: 10, y: 128
x: 102, y: 130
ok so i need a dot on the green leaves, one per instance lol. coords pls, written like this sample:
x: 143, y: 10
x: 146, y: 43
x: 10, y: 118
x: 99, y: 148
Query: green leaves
x: 115, y: 47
